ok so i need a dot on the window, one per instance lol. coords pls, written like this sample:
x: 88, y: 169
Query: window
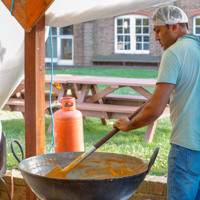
x: 48, y: 45
x: 132, y: 34
x: 62, y: 39
x: 196, y: 26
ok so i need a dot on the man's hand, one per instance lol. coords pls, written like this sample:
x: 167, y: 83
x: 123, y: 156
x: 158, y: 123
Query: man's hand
x: 123, y: 124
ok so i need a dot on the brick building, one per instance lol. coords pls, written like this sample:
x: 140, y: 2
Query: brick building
x: 121, y: 40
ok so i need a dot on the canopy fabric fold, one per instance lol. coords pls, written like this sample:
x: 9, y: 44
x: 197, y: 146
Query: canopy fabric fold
x: 61, y: 13
x: 64, y: 13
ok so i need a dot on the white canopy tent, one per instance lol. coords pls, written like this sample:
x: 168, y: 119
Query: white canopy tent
x: 61, y: 13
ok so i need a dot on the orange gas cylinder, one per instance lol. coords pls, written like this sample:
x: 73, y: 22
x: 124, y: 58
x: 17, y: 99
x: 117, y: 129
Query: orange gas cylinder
x: 68, y: 127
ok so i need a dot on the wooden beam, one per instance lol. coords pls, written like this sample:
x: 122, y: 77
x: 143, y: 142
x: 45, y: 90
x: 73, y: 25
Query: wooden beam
x: 151, y: 128
x: 28, y: 12
x: 35, y: 93
x: 142, y: 91
x: 94, y: 98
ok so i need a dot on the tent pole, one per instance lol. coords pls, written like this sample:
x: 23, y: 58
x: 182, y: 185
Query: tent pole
x: 34, y: 93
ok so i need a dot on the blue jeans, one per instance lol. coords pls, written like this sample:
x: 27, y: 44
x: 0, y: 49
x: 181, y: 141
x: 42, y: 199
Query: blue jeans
x: 183, y: 182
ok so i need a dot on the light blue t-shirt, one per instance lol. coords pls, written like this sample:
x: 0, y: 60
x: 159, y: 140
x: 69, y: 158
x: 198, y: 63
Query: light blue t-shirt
x: 180, y: 65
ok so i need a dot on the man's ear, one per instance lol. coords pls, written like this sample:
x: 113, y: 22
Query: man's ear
x: 175, y: 27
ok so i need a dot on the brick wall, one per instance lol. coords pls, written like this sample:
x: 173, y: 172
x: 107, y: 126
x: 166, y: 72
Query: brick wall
x: 189, y: 7
x: 19, y: 186
x: 105, y: 36
x: 93, y: 38
x: 78, y: 44
x: 88, y: 41
x: 97, y: 37
x: 152, y: 188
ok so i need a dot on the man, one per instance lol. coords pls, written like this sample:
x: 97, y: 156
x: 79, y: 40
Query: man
x: 179, y: 82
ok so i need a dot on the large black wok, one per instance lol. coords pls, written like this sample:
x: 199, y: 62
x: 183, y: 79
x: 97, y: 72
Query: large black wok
x: 78, y: 186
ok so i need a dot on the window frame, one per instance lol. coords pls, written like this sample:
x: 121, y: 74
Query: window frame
x: 59, y: 60
x: 194, y: 25
x: 132, y: 34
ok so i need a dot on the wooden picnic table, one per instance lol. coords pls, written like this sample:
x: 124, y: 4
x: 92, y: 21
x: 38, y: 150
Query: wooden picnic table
x: 93, y: 101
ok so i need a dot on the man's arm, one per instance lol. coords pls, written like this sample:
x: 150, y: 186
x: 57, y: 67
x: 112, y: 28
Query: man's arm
x: 151, y: 111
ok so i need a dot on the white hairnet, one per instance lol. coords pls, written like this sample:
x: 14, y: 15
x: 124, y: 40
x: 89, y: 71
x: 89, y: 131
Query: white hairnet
x: 168, y: 15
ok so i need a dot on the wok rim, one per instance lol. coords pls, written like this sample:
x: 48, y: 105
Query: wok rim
x: 83, y: 180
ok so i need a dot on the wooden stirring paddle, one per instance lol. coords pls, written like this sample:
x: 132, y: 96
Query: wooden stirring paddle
x: 58, y: 172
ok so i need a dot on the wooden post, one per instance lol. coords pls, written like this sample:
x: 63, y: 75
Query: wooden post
x: 35, y: 93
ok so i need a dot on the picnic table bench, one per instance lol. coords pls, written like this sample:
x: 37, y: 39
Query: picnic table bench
x: 92, y: 100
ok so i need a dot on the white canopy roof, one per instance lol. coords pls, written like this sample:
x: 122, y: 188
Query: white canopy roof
x: 61, y: 13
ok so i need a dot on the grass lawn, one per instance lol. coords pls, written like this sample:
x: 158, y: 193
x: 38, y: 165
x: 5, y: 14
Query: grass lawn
x: 130, y: 143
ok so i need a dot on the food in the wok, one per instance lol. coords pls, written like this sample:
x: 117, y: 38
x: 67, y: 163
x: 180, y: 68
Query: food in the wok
x: 104, y: 169
x: 58, y: 172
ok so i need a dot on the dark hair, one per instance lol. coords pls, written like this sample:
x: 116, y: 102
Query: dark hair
x: 182, y: 25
